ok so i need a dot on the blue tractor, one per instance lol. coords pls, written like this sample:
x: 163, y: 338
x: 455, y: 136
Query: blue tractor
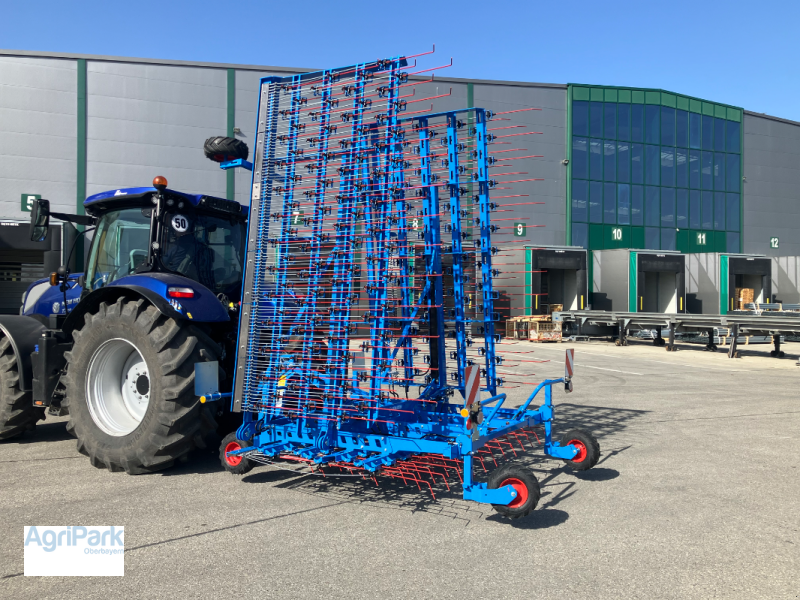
x: 115, y: 347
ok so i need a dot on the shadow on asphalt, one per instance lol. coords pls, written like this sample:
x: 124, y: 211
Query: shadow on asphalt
x: 44, y: 432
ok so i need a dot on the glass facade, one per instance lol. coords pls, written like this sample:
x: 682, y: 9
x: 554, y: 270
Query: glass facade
x: 650, y: 169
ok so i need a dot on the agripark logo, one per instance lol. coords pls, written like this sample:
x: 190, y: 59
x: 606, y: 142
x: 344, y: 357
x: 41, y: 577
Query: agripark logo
x: 74, y: 550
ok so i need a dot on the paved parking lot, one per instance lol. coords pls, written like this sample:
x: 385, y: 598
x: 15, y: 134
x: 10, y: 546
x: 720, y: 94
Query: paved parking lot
x: 695, y: 497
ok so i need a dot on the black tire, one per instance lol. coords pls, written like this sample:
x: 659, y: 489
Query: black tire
x: 229, y: 463
x: 221, y: 149
x: 174, y: 422
x: 17, y: 412
x: 524, y: 482
x: 588, y: 449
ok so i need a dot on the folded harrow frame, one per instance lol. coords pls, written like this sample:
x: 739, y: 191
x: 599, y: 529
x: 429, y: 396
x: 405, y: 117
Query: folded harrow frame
x: 369, y: 275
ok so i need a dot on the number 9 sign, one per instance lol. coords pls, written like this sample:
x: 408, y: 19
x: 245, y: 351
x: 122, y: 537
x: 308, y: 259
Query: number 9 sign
x: 519, y: 229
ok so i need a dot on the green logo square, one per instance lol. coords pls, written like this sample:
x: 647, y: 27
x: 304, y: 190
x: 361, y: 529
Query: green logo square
x: 519, y: 229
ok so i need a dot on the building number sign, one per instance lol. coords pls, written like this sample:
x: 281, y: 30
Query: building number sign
x: 616, y: 234
x: 701, y: 239
x: 773, y: 242
x: 519, y: 229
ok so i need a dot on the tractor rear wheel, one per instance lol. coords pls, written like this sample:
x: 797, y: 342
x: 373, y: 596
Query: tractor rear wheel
x: 17, y: 412
x: 130, y: 388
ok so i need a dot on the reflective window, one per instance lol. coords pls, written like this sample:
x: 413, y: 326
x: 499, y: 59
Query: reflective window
x: 596, y: 119
x: 732, y: 173
x: 732, y: 136
x: 668, y: 239
x: 719, y: 171
x: 719, y: 134
x: 668, y: 166
x: 708, y: 132
x: 682, y: 129
x: 580, y: 158
x: 707, y: 168
x: 580, y: 193
x: 596, y: 159
x: 681, y: 168
x: 623, y: 204
x: 595, y: 202
x: 652, y: 238
x: 637, y: 205
x: 580, y: 118
x: 610, y: 121
x: 667, y: 207
x: 637, y: 123
x: 610, y: 161
x: 694, y: 169
x: 610, y: 203
x: 637, y: 163
x: 719, y: 210
x: 732, y: 212
x: 580, y: 234
x: 652, y: 164
x: 732, y: 240
x: 708, y: 211
x: 694, y: 210
x: 652, y: 117
x: 682, y: 209
x: 652, y: 212
x: 695, y: 139
x: 624, y: 122
x: 623, y: 162
x: 667, y: 126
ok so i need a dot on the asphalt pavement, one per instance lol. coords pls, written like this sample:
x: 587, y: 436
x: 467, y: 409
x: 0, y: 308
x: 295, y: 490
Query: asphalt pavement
x: 695, y: 496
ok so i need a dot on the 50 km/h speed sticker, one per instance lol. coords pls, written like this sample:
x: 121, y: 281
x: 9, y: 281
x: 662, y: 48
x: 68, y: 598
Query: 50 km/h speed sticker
x: 180, y: 223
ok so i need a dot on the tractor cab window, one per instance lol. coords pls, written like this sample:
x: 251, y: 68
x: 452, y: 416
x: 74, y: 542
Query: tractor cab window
x: 119, y: 246
x: 205, y: 248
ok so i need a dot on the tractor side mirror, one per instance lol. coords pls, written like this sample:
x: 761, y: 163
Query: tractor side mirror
x: 40, y: 220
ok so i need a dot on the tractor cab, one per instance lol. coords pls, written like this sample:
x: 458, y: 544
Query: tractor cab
x: 150, y: 231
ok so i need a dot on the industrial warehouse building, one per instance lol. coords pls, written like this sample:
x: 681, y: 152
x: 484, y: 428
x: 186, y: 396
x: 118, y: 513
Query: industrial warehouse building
x: 615, y: 167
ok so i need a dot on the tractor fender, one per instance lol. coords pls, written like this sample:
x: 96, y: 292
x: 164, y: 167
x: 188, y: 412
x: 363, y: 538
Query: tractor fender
x: 24, y: 333
x: 204, y: 308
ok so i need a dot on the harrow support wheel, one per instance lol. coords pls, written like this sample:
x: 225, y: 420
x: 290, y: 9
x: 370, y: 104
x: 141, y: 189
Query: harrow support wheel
x: 237, y: 465
x: 588, y: 449
x: 524, y: 483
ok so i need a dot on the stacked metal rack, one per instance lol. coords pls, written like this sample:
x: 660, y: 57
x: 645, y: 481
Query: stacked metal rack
x: 370, y: 233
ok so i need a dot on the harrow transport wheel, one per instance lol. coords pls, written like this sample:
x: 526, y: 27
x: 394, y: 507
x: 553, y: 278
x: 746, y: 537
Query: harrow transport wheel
x: 588, y: 449
x: 524, y: 483
x: 237, y: 465
x: 221, y: 149
x: 130, y: 388
x: 17, y: 412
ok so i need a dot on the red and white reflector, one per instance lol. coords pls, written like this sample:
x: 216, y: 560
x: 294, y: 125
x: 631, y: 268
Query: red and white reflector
x: 569, y: 365
x: 569, y: 369
x: 180, y: 292
x: 473, y: 384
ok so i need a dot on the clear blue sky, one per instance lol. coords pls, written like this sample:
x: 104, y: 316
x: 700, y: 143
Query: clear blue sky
x: 741, y: 53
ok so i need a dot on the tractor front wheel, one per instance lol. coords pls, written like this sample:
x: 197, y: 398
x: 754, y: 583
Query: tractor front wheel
x: 130, y: 388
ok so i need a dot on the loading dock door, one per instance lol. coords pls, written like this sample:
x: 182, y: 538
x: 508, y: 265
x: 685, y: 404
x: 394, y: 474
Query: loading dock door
x: 558, y: 277
x: 661, y: 283
x: 753, y: 273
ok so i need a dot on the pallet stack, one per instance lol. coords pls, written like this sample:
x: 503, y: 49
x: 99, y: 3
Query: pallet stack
x: 744, y: 296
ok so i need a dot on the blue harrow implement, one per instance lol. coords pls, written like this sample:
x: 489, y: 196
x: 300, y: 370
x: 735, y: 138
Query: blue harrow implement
x: 367, y: 335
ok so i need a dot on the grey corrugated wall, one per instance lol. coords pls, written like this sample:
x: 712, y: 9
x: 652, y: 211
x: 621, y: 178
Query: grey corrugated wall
x: 772, y: 186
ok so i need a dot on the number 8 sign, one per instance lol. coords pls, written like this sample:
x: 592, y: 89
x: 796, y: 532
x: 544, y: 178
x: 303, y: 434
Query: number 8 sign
x: 519, y: 229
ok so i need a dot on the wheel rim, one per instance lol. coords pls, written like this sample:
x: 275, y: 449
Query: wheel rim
x: 519, y: 487
x: 582, y: 452
x: 233, y: 460
x: 117, y: 387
